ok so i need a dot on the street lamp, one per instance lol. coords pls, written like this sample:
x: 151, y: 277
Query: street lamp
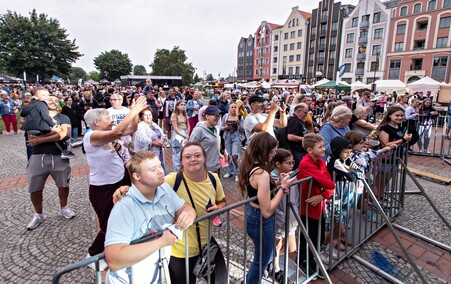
x: 376, y: 68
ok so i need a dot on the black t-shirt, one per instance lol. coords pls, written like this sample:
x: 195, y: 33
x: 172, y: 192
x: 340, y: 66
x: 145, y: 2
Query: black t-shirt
x: 296, y: 127
x: 50, y: 147
x: 393, y: 133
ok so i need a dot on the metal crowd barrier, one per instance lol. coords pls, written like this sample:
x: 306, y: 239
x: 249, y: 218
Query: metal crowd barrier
x: 361, y: 208
x: 431, y: 137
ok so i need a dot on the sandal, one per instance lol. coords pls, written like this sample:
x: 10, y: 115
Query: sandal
x: 339, y: 245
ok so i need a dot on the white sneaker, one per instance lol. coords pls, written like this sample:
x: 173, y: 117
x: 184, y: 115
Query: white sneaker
x: 227, y: 175
x: 76, y: 143
x: 236, y: 178
x: 102, y: 264
x: 36, y: 221
x: 67, y: 213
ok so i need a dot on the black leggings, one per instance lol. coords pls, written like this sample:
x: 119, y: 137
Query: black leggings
x: 177, y: 270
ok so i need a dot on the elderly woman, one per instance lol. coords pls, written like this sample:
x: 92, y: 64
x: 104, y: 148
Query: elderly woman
x: 8, y: 110
x: 150, y: 136
x: 361, y: 125
x: 337, y: 126
x: 118, y: 112
x: 106, y: 165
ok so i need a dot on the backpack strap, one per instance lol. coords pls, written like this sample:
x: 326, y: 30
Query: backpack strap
x: 178, y: 181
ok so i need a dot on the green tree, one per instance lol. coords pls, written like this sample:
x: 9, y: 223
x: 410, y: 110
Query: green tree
x: 172, y: 63
x: 209, y: 78
x: 36, y: 44
x: 139, y: 70
x: 112, y: 64
x: 196, y: 78
x: 93, y: 75
x: 77, y: 73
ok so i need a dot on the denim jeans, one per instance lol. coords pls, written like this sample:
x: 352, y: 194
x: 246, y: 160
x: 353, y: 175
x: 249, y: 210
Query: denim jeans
x: 232, y: 143
x: 267, y: 245
x: 74, y: 134
x: 424, y: 133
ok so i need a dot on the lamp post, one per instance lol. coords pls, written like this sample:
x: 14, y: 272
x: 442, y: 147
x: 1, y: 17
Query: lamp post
x: 373, y: 86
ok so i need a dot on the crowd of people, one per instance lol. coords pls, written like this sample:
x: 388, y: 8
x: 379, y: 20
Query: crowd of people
x: 259, y: 137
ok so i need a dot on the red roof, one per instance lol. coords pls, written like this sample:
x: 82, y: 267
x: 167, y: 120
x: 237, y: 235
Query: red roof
x: 274, y: 26
x: 305, y: 14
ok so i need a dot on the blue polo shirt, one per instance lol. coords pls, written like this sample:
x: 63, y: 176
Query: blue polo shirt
x: 134, y: 217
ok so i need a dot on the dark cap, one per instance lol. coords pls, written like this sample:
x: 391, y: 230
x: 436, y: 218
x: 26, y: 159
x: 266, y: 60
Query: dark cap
x: 212, y: 110
x: 256, y: 98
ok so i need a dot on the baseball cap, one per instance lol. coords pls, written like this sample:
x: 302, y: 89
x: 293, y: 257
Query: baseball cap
x: 212, y: 110
x: 256, y: 98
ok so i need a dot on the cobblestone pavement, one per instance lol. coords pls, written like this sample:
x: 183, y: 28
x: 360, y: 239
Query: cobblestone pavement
x: 34, y: 256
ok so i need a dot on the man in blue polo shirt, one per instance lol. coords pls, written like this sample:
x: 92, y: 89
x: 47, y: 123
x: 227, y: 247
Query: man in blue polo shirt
x: 149, y: 207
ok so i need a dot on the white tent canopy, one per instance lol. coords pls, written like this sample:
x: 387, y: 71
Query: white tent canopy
x: 390, y: 86
x: 357, y: 85
x: 425, y: 84
x: 320, y: 82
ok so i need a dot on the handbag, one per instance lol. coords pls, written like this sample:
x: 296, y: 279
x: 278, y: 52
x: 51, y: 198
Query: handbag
x: 208, y: 253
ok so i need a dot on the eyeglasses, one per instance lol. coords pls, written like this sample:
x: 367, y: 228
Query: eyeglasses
x: 112, y: 100
x: 196, y: 156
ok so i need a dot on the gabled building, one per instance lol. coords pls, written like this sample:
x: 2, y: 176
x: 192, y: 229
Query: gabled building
x: 364, y: 42
x: 419, y: 43
x: 262, y: 50
x: 288, y: 47
x: 245, y: 57
x: 324, y: 38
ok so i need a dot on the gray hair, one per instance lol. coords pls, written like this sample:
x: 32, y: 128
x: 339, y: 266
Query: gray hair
x: 94, y: 115
x: 340, y: 112
x: 117, y: 96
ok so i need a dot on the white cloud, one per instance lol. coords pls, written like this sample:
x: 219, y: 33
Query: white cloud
x: 208, y: 31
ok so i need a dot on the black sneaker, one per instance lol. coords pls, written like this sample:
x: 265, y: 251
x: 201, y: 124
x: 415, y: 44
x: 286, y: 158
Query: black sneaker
x: 279, y: 276
x: 66, y: 154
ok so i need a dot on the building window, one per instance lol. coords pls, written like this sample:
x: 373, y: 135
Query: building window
x: 332, y: 54
x: 439, y: 67
x: 365, y: 18
x: 290, y: 70
x: 300, y: 33
x: 377, y: 17
x: 292, y: 46
x: 399, y: 46
x: 313, y: 31
x: 267, y: 50
x: 445, y: 22
x: 293, y: 34
x: 274, y: 60
x: 417, y: 8
x: 395, y: 67
x: 285, y: 47
x: 256, y: 62
x: 422, y: 26
x: 403, y: 11
x: 291, y: 58
x: 298, y: 57
x: 348, y: 67
x: 442, y: 42
x: 374, y: 66
x: 312, y: 44
x: 417, y: 64
x: 446, y: 3
x: 267, y: 61
x: 378, y: 33
x: 376, y: 50
x: 276, y: 37
x: 297, y: 70
x: 274, y: 70
x: 333, y: 40
x: 401, y: 29
x: 431, y: 5
x: 334, y: 26
x: 284, y: 59
x: 348, y: 53
x: 350, y: 38
x: 276, y: 48
x: 355, y: 22
x: 285, y: 36
x: 299, y: 45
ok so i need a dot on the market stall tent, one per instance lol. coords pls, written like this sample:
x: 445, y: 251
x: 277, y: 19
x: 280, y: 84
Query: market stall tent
x: 333, y: 85
x: 390, y: 86
x: 425, y: 84
x: 357, y: 85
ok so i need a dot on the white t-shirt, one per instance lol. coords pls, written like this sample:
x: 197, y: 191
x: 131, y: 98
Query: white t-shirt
x: 105, y: 165
x: 118, y: 114
x: 253, y: 119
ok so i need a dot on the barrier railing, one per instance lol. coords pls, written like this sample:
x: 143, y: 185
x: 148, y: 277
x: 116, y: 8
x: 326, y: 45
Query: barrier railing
x: 357, y: 211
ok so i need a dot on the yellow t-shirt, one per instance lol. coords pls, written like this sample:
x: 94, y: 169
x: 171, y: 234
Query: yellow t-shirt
x: 201, y: 193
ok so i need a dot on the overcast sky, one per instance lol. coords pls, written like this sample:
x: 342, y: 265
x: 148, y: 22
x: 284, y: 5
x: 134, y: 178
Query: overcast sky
x: 209, y: 31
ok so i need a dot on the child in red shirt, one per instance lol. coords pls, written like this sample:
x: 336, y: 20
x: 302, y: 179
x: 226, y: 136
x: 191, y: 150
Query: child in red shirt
x: 312, y: 207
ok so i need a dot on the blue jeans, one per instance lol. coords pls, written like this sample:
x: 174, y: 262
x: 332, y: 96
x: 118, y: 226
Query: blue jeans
x: 267, y: 245
x: 232, y: 144
x: 74, y: 134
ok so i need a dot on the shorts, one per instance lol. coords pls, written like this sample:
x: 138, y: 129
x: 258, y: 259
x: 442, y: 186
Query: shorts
x: 449, y: 121
x: 280, y: 232
x: 40, y: 166
x: 160, y: 115
x: 379, y: 109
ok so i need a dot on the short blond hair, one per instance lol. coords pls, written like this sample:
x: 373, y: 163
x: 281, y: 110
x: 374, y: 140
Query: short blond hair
x: 134, y: 164
x: 310, y: 140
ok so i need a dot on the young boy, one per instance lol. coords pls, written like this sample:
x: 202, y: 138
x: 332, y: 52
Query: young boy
x: 38, y: 120
x: 322, y: 187
x: 149, y: 207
